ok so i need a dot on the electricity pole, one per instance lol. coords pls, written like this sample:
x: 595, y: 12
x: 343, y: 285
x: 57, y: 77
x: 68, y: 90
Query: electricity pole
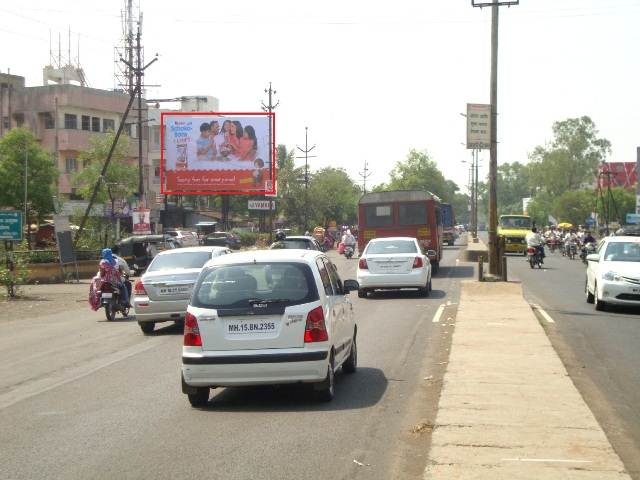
x: 364, y: 176
x: 269, y: 108
x: 638, y: 180
x: 494, y: 261
x: 306, y: 157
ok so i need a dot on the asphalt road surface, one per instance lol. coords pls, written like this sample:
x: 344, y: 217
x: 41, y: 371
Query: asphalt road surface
x: 600, y: 349
x: 84, y: 398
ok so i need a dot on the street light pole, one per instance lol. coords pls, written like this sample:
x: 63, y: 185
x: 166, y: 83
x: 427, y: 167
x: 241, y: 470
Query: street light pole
x: 306, y: 175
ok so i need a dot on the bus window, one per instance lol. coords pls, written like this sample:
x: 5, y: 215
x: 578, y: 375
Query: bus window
x: 412, y: 213
x: 378, y: 216
x: 438, y: 217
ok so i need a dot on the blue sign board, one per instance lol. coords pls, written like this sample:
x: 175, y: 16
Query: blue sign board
x: 633, y: 218
x: 11, y: 225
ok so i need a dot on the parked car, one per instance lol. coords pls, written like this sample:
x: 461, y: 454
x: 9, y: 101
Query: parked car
x: 184, y: 238
x: 222, y: 239
x: 393, y: 263
x: 268, y: 317
x: 162, y: 293
x: 613, y: 272
x: 299, y: 241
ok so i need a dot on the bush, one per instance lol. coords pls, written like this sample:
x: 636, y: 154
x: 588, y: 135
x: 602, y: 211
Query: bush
x: 13, y: 279
x: 248, y: 239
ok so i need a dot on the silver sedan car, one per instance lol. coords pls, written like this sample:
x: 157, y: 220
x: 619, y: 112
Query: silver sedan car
x: 162, y: 293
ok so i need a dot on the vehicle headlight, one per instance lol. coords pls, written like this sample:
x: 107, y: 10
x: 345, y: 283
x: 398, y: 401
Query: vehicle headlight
x: 611, y: 276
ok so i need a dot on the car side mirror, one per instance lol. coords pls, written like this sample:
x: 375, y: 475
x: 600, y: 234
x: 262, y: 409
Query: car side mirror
x: 350, y: 286
x: 593, y: 257
x: 431, y: 253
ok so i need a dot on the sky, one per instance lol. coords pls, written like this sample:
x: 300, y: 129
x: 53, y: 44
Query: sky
x: 370, y: 80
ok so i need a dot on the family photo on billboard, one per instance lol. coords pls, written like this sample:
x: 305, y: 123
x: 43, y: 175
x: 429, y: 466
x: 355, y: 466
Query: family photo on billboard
x: 208, y: 152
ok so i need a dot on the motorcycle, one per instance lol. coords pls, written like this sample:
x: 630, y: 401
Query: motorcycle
x: 534, y: 257
x: 571, y: 249
x: 348, y: 251
x: 553, y: 244
x: 587, y: 249
x: 111, y: 300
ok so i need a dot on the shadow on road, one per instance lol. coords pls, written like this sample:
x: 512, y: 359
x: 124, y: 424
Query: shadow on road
x: 457, y: 271
x: 169, y: 328
x: 360, y: 390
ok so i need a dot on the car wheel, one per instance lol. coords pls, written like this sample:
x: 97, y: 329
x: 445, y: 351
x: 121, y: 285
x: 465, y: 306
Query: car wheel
x: 588, y: 294
x: 599, y: 304
x: 147, y: 327
x: 325, y: 390
x: 109, y: 312
x: 200, y: 398
x: 351, y: 363
x: 424, y: 291
x: 362, y: 293
x: 435, y: 267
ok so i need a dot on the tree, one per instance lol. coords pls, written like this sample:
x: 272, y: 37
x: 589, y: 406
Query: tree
x: 420, y: 172
x: 513, y: 184
x: 571, y: 159
x: 333, y: 196
x: 16, y: 147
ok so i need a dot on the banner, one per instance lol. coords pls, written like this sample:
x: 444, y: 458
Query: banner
x: 141, y: 218
x: 216, y: 153
x: 262, y: 205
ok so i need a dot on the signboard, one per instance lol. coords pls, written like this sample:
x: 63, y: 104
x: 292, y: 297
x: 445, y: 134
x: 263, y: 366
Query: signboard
x: 217, y: 153
x: 478, y: 126
x: 141, y: 218
x: 11, y: 225
x: 633, y: 218
x: 78, y: 207
x: 618, y: 174
x: 262, y: 205
x: 121, y: 209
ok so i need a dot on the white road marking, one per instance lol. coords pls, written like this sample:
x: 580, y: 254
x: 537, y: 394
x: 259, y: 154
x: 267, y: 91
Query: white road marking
x: 436, y: 317
x: 544, y: 314
x: 558, y: 460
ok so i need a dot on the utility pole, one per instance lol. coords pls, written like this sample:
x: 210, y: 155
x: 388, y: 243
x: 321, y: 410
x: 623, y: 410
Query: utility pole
x: 475, y: 200
x: 494, y: 261
x: 638, y: 180
x: 269, y: 108
x: 306, y: 157
x: 364, y: 176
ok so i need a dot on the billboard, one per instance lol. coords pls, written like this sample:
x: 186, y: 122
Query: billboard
x: 217, y: 153
x: 617, y: 174
x: 141, y: 219
x: 478, y: 126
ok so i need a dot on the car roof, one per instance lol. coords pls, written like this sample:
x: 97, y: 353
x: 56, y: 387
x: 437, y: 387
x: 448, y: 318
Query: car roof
x: 383, y: 239
x: 176, y: 251
x: 299, y: 237
x: 625, y: 238
x: 260, y: 256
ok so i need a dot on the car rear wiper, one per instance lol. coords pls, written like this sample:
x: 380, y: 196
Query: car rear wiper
x: 256, y: 301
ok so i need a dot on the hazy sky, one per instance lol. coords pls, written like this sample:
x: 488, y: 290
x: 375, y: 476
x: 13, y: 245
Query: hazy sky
x: 370, y: 79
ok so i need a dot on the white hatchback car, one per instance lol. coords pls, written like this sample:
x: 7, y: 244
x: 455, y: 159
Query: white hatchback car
x: 268, y: 317
x: 393, y: 263
x: 613, y: 273
x: 162, y: 293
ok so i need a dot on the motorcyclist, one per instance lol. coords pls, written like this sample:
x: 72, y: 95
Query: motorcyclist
x: 110, y: 271
x: 535, y: 240
x: 588, y: 238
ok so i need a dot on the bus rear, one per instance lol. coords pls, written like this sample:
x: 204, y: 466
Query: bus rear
x: 449, y: 233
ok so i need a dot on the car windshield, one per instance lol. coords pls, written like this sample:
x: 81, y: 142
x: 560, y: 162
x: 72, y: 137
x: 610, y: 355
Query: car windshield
x: 515, y: 222
x: 179, y: 260
x: 392, y: 246
x: 243, y: 285
x: 623, y: 252
x: 293, y: 243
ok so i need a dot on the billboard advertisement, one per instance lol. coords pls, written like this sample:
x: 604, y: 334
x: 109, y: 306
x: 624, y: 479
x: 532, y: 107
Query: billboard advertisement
x: 217, y: 153
x: 618, y: 174
x: 141, y: 219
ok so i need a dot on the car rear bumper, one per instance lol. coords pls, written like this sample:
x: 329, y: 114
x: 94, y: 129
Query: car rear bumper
x: 244, y: 368
x: 414, y: 279
x: 147, y: 310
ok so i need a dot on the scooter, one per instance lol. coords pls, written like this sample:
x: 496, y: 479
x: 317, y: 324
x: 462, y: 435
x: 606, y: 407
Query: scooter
x: 348, y: 251
x: 571, y: 249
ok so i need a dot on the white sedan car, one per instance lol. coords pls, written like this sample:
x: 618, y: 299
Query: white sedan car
x: 613, y: 273
x: 163, y: 292
x: 393, y: 263
x: 268, y: 317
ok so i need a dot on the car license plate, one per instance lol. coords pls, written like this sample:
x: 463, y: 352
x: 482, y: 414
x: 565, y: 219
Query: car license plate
x: 107, y: 295
x: 178, y: 289
x: 243, y: 327
x: 635, y: 290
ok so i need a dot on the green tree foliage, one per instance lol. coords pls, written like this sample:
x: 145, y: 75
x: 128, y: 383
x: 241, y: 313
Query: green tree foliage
x: 291, y: 194
x: 574, y: 206
x: 333, y: 196
x: 120, y: 179
x: 16, y: 146
x: 420, y: 172
x: 514, y: 184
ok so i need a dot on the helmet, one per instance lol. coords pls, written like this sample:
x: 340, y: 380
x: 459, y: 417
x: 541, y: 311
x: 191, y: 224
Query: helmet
x: 280, y: 235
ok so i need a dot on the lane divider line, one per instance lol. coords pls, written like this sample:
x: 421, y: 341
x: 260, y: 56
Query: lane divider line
x: 439, y: 312
x: 544, y: 314
x: 558, y: 460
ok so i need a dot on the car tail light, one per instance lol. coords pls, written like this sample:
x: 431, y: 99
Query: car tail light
x: 362, y: 264
x: 138, y: 288
x: 191, y: 331
x: 316, y: 330
x: 417, y: 263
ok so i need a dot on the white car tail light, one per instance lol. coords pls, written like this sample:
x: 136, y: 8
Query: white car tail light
x: 191, y: 331
x: 315, y: 330
x: 417, y: 263
x: 138, y: 288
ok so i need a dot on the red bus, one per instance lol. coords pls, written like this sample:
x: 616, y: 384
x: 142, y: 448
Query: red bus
x: 402, y: 213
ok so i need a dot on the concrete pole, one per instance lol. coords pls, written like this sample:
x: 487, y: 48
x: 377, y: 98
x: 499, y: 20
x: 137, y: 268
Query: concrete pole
x: 638, y: 180
x: 493, y: 160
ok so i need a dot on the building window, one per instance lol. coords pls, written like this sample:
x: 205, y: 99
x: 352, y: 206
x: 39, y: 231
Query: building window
x: 156, y: 136
x: 156, y: 172
x: 86, y: 122
x: 70, y: 165
x: 48, y: 120
x: 108, y: 124
x: 19, y: 118
x: 127, y: 129
x: 5, y: 123
x: 95, y: 124
x: 70, y: 121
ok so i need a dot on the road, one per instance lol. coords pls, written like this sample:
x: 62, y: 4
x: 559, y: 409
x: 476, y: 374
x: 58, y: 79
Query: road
x: 84, y: 398
x: 599, y: 349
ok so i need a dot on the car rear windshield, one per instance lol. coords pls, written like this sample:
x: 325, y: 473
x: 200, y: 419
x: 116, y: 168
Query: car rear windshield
x: 179, y: 260
x: 623, y: 252
x: 302, y: 244
x: 243, y: 285
x: 392, y: 246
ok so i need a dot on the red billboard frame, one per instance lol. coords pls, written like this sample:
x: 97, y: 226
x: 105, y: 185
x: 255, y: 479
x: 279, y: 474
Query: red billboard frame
x: 272, y: 123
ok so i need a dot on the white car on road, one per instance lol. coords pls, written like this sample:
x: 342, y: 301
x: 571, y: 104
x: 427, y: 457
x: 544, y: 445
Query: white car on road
x: 613, y: 272
x: 393, y: 263
x: 268, y: 317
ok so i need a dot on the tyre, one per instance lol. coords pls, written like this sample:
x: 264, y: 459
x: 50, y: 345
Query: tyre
x: 599, y: 304
x: 362, y: 293
x: 325, y: 390
x: 588, y: 294
x: 147, y: 327
x: 424, y: 291
x: 200, y: 398
x: 532, y: 262
x: 109, y: 312
x: 351, y: 363
x: 435, y: 266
